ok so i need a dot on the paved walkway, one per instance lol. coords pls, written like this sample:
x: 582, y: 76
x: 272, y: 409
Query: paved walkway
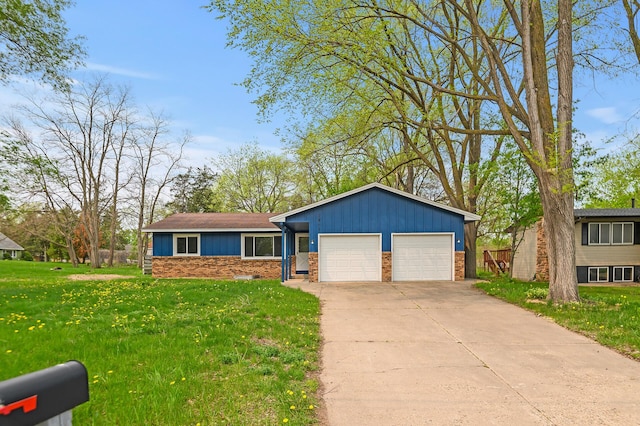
x: 444, y: 353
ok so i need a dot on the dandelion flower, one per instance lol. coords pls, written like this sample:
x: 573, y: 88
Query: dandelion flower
x: 311, y: 407
x: 285, y: 420
x: 173, y: 382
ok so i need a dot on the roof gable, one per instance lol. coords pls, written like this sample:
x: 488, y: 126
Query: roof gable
x: 468, y: 217
x: 7, y: 243
x: 214, y: 222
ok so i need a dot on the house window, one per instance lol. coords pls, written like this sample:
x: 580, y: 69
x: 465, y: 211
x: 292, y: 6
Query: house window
x: 622, y: 233
x: 623, y: 273
x: 599, y: 274
x: 262, y: 246
x: 186, y: 245
x: 618, y: 233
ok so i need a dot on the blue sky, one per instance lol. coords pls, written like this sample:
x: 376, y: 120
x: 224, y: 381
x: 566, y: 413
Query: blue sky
x: 173, y: 56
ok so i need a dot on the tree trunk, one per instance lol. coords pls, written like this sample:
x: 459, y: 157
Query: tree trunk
x: 139, y: 234
x: 470, y: 249
x: 551, y: 158
x: 559, y: 229
x: 114, y: 223
x: 72, y: 252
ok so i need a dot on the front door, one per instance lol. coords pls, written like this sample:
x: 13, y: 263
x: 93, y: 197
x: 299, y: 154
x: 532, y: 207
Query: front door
x: 302, y: 253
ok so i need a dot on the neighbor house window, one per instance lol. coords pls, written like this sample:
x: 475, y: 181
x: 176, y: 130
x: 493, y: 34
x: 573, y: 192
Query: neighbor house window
x: 611, y: 233
x: 599, y: 274
x: 623, y: 273
x: 262, y: 246
x: 622, y: 233
x: 186, y: 245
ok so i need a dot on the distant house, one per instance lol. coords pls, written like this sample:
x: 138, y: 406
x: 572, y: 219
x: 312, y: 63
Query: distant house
x: 607, y: 247
x: 8, y: 246
x: 372, y: 233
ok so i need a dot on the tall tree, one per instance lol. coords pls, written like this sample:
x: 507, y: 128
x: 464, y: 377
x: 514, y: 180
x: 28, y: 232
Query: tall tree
x: 73, y: 151
x: 34, y: 41
x: 193, y: 191
x: 156, y: 160
x: 253, y: 180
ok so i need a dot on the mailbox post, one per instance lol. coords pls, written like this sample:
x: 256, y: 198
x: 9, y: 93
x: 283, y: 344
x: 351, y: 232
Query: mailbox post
x: 47, y: 394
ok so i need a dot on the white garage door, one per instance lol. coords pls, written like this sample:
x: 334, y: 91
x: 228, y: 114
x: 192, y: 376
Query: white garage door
x: 349, y: 257
x: 422, y: 257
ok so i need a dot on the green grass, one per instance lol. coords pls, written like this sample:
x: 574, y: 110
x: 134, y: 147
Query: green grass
x: 165, y: 352
x: 609, y: 315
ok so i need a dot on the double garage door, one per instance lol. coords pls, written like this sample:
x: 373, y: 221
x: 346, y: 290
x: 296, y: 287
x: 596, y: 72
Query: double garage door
x: 358, y: 257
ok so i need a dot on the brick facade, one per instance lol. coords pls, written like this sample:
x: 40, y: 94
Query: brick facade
x: 542, y: 260
x: 387, y: 271
x: 459, y: 266
x: 292, y: 265
x: 313, y: 267
x: 217, y: 267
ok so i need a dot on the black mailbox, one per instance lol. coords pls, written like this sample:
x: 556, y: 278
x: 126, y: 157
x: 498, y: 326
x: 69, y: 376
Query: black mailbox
x: 35, y: 397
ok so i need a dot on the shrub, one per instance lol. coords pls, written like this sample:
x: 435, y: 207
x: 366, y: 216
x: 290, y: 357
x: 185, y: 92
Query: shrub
x: 537, y: 293
x: 27, y: 256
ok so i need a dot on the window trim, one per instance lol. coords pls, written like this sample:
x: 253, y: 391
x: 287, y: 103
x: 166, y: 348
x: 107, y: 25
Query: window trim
x: 175, y: 244
x: 254, y: 235
x: 597, y: 268
x: 623, y: 268
x: 611, y: 225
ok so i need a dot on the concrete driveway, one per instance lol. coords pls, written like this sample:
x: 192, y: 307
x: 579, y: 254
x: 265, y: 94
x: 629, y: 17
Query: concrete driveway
x: 445, y: 353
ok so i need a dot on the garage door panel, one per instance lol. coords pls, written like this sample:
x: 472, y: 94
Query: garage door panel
x: 421, y: 257
x: 349, y: 258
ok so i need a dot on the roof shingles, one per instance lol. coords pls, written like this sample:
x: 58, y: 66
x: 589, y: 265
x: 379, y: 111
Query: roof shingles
x: 585, y: 213
x: 214, y: 222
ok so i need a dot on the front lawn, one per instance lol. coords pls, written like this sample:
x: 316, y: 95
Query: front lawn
x: 170, y: 352
x: 609, y: 315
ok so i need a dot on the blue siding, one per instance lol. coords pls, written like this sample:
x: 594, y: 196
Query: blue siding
x: 220, y: 244
x: 379, y: 211
x: 211, y: 243
x: 162, y: 244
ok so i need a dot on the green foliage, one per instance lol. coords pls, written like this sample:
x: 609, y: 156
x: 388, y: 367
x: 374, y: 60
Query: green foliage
x: 193, y: 191
x: 34, y: 41
x: 511, y: 201
x: 26, y: 256
x: 178, y: 352
x: 609, y: 315
x: 615, y: 178
x: 253, y: 180
x: 537, y: 293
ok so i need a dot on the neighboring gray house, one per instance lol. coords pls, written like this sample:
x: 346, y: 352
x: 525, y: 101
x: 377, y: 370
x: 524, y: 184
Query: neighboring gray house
x: 7, y: 245
x: 607, y: 247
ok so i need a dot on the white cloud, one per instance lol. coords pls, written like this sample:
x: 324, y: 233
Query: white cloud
x: 91, y: 66
x: 608, y: 115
